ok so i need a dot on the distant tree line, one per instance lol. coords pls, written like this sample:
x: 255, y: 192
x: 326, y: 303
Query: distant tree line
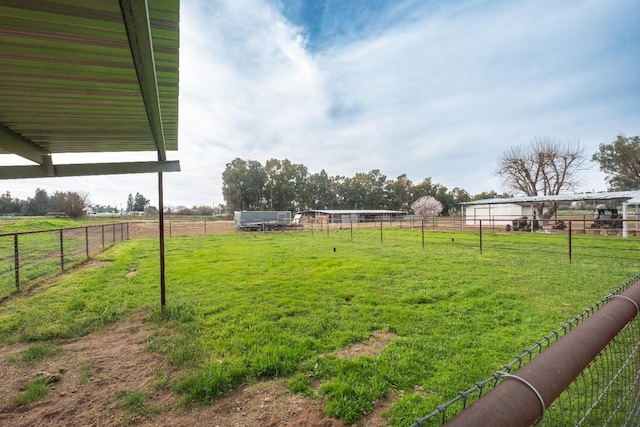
x: 69, y: 203
x: 283, y: 185
x: 76, y: 205
x: 546, y: 166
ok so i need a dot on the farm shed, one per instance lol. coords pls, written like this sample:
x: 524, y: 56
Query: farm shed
x: 338, y: 216
x: 498, y: 211
x: 89, y: 77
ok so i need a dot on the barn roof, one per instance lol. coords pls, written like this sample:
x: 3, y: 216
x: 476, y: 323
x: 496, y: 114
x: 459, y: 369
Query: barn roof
x: 617, y: 195
x: 89, y: 76
x: 356, y: 211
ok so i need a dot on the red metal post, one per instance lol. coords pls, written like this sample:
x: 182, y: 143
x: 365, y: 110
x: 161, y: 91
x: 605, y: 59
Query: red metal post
x: 570, y: 243
x: 16, y: 260
x: 61, y: 250
x: 161, y: 240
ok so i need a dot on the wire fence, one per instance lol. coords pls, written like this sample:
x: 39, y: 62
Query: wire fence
x: 27, y: 256
x: 606, y: 393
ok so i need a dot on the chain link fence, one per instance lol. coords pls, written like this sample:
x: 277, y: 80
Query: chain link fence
x: 605, y: 393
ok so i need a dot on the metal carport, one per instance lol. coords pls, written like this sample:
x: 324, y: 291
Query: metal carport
x: 93, y: 77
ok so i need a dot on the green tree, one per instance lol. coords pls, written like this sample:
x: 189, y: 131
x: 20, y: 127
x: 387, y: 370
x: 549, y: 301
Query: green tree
x: 39, y: 205
x: 427, y: 188
x: 321, y: 191
x: 399, y: 193
x: 140, y: 203
x: 9, y: 205
x: 285, y: 189
x: 243, y: 185
x: 620, y: 160
x: 130, y: 203
x: 457, y: 196
x: 364, y: 191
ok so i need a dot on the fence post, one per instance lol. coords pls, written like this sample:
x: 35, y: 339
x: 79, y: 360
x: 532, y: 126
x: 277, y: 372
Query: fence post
x: 423, y: 233
x: 86, y: 239
x: 61, y: 250
x: 102, y: 236
x: 480, y: 237
x: 380, y: 231
x: 16, y: 260
x: 351, y: 222
x: 205, y: 227
x: 570, y: 243
x: 114, y: 234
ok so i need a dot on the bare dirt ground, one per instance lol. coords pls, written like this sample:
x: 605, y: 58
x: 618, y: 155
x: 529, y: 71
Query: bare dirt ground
x: 87, y: 375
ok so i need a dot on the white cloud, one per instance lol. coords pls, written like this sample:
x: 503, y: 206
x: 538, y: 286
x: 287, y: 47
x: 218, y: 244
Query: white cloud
x: 428, y: 91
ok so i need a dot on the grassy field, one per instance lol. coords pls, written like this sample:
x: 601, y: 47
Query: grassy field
x: 251, y: 306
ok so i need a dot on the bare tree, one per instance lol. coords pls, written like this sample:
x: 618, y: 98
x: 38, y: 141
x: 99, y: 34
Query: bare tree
x: 72, y: 203
x: 428, y: 207
x: 544, y: 167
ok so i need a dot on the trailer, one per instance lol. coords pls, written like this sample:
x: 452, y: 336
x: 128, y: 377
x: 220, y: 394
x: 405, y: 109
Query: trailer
x: 262, y: 220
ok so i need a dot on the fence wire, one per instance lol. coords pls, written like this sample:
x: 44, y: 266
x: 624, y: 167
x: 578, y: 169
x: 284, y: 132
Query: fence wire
x: 607, y: 393
x: 27, y: 256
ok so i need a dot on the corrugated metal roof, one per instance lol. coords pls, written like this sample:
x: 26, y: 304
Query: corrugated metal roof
x: 88, y: 76
x: 559, y: 198
x: 356, y: 211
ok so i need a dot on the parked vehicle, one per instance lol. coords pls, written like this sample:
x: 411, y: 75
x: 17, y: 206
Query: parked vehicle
x: 523, y: 224
x: 607, y: 218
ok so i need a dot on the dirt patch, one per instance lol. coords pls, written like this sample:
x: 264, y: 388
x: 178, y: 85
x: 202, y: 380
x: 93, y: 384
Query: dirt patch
x: 372, y: 347
x: 92, y: 371
x: 132, y: 270
x: 179, y: 228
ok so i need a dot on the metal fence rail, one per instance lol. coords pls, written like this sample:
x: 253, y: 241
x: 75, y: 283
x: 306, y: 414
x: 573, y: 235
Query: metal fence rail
x: 557, y: 382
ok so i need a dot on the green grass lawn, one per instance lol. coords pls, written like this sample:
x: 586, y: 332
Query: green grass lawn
x: 253, y: 306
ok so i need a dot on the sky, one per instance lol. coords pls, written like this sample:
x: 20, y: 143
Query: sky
x: 430, y: 89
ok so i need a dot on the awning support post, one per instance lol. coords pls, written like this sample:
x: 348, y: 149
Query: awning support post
x: 161, y: 240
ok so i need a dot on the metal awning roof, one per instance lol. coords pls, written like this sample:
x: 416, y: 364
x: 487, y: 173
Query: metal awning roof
x: 88, y: 76
x: 622, y: 195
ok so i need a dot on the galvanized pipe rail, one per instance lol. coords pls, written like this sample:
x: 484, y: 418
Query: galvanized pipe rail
x: 521, y: 398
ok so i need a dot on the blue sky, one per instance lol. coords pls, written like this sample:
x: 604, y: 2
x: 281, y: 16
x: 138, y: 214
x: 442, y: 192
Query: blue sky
x: 428, y: 88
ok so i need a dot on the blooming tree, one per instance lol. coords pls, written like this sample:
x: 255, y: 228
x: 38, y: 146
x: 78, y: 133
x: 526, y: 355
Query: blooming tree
x: 427, y: 207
